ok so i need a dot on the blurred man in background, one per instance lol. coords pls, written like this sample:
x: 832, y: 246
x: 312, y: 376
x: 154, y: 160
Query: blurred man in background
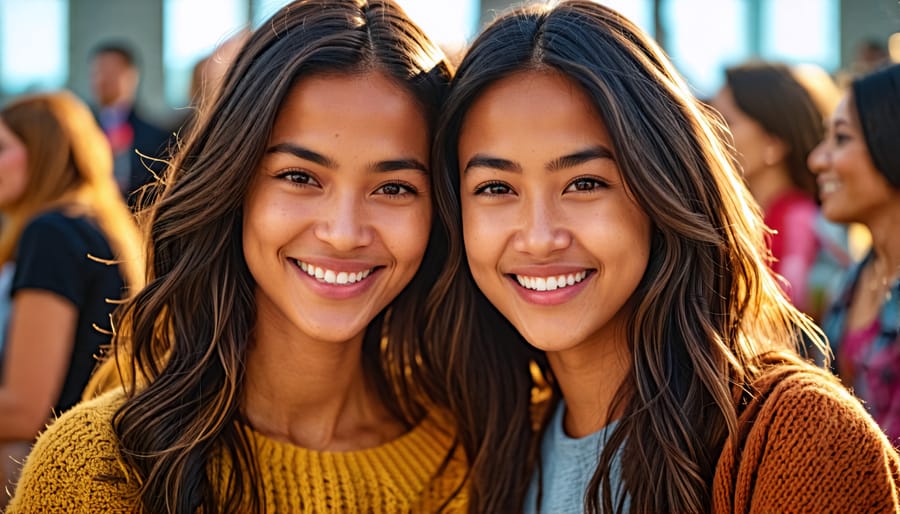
x: 135, y: 141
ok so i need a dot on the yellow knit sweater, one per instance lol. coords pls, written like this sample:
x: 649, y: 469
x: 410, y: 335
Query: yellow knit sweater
x: 63, y: 472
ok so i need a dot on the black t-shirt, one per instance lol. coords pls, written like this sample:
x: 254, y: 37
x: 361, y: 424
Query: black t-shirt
x: 53, y: 255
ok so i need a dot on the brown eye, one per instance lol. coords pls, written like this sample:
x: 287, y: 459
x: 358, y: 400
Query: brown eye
x: 586, y: 184
x: 299, y: 178
x: 493, y: 189
x: 396, y: 189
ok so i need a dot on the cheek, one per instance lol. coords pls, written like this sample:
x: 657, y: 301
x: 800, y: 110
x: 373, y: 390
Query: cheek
x: 272, y: 220
x: 16, y: 170
x: 622, y: 241
x: 480, y: 235
x: 405, y: 233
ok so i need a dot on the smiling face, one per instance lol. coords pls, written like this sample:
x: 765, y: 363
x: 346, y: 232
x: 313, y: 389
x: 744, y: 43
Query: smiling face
x: 13, y: 167
x: 850, y: 187
x: 339, y: 213
x: 553, y: 238
x: 113, y: 79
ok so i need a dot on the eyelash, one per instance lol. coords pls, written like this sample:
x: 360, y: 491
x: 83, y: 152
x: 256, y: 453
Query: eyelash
x: 483, y: 189
x: 596, y: 183
x: 841, y: 138
x: 299, y: 178
x: 288, y: 174
x: 411, y: 190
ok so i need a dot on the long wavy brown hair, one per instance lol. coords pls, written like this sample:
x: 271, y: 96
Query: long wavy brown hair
x: 705, y: 311
x: 189, y: 329
x: 69, y: 164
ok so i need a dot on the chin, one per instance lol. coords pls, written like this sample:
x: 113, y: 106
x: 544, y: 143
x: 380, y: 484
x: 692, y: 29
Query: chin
x: 549, y: 341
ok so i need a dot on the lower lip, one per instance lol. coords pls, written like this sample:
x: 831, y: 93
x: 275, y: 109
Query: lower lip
x: 337, y: 291
x: 555, y: 297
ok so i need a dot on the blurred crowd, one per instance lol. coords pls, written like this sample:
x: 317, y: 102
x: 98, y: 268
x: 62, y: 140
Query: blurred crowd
x: 74, y: 174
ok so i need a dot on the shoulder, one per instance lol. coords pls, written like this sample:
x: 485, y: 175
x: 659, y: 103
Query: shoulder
x: 74, y: 465
x: 446, y: 491
x: 145, y: 129
x: 806, y: 441
x: 434, y: 436
x: 57, y: 228
x: 53, y: 222
x: 796, y: 400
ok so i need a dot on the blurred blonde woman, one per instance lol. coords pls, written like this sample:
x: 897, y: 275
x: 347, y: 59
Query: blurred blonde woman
x: 76, y: 250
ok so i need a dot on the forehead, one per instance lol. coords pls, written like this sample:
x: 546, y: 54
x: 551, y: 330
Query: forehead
x: 367, y: 109
x: 109, y: 60
x: 533, y: 112
x: 845, y: 113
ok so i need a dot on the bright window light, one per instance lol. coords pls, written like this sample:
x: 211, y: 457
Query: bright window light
x: 704, y: 37
x: 34, y: 38
x: 640, y: 12
x: 801, y: 31
x: 191, y: 31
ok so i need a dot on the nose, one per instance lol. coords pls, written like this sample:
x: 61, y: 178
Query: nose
x: 818, y: 158
x: 343, y: 225
x: 542, y: 231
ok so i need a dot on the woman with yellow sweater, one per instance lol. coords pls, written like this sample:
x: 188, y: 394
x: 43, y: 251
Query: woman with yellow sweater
x: 288, y: 252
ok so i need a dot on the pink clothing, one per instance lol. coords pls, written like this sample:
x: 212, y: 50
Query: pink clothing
x: 794, y: 244
x: 873, y: 375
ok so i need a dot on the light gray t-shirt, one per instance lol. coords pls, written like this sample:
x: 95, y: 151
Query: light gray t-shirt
x: 568, y: 465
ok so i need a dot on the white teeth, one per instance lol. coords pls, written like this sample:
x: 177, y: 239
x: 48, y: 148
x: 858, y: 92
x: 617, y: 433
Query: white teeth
x: 830, y: 187
x: 550, y: 283
x: 333, y: 277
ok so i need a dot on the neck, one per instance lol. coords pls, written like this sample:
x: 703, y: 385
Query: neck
x: 314, y: 394
x: 768, y: 183
x: 589, y: 377
x: 886, y: 244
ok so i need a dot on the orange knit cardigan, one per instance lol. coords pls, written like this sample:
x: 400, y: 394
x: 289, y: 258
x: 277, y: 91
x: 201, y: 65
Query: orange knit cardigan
x: 805, y: 445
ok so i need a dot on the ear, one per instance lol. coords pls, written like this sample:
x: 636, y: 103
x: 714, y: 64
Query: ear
x: 776, y: 151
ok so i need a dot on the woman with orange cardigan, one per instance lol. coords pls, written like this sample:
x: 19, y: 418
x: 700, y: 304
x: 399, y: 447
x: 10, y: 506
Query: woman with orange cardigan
x: 600, y: 233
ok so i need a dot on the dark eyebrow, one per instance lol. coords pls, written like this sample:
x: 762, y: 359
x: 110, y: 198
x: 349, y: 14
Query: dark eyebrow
x: 303, y: 153
x: 571, y: 160
x: 400, y: 164
x: 382, y: 166
x: 486, y: 161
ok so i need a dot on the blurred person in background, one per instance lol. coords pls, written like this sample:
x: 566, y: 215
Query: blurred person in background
x: 135, y: 141
x: 206, y: 78
x: 209, y: 72
x: 775, y: 123
x: 858, y: 171
x: 75, y: 247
